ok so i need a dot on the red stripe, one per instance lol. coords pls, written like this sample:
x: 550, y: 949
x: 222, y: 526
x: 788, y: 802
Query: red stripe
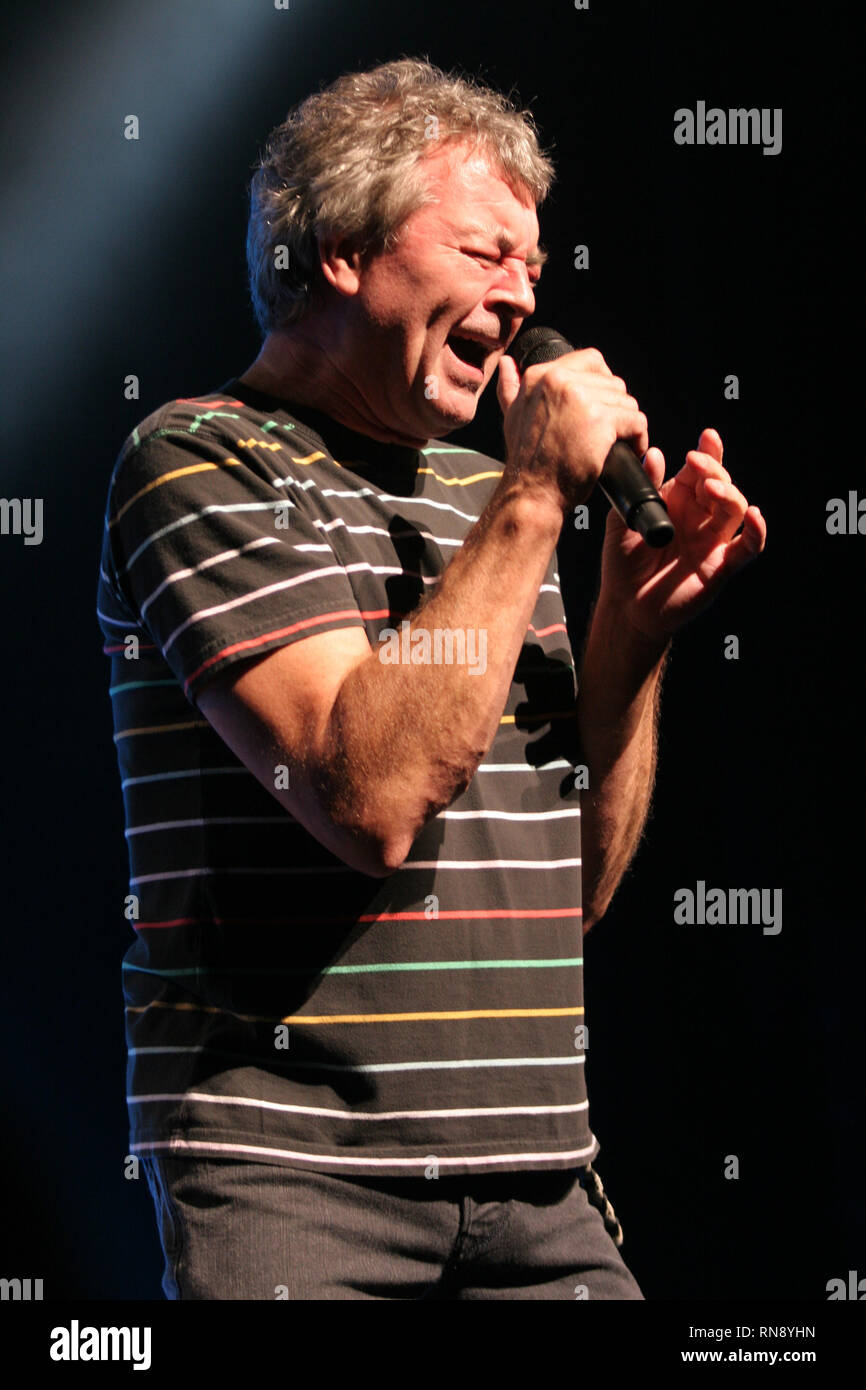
x: 545, y: 631
x: 142, y: 647
x: 451, y: 914
x: 253, y: 642
x: 467, y: 913
x: 173, y: 922
x: 194, y: 400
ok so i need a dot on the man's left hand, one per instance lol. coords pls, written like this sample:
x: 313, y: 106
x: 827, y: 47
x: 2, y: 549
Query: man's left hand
x: 658, y: 591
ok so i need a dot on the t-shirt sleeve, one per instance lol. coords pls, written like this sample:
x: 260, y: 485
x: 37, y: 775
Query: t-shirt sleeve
x: 219, y: 560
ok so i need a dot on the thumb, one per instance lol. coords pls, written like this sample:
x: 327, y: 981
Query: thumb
x: 654, y: 466
x: 507, y: 382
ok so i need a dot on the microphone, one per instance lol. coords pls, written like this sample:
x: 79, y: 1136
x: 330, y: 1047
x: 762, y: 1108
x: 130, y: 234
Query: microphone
x: 623, y: 481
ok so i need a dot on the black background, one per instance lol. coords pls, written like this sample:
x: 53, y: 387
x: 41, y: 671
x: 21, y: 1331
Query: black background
x: 127, y: 257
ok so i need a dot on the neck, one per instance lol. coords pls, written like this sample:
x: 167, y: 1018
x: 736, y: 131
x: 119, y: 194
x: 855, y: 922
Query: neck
x: 302, y: 365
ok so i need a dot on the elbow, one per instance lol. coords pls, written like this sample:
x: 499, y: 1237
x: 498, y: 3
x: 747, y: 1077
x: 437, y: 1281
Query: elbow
x: 387, y: 856
x: 593, y: 912
x: 373, y: 848
x: 368, y: 853
x: 379, y: 832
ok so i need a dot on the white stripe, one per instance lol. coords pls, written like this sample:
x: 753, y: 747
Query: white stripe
x: 426, y: 502
x: 178, y: 575
x: 507, y: 815
x: 242, y: 599
x: 210, y: 510
x: 205, y: 871
x: 524, y: 767
x: 350, y: 492
x: 142, y: 1051
x: 491, y: 864
x: 200, y: 1146
x: 184, y: 772
x: 463, y: 1114
x: 391, y: 569
x: 289, y: 481
x: 388, y: 497
x: 471, y: 1064
x: 284, y: 584
x: 209, y: 820
x: 380, y: 531
x: 117, y: 622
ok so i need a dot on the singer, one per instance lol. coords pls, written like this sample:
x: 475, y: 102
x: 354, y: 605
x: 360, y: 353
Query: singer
x: 359, y: 887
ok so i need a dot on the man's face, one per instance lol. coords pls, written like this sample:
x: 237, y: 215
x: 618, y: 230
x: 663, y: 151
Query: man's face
x: 438, y: 311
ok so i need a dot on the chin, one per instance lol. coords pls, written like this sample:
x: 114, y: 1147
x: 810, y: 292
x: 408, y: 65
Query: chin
x: 456, y: 409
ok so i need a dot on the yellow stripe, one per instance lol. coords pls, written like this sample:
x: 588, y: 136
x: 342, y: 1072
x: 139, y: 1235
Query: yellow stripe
x: 259, y: 444
x: 460, y: 482
x: 422, y: 1017
x: 311, y: 458
x: 163, y: 728
x: 169, y: 477
x: 358, y: 1018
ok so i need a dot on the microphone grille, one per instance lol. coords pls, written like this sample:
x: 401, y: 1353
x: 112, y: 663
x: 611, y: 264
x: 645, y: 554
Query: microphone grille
x: 538, y: 345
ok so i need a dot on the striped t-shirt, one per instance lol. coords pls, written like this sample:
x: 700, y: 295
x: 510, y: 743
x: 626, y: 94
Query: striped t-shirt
x: 281, y: 1006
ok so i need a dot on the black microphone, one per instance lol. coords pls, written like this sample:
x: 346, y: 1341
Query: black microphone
x: 623, y: 481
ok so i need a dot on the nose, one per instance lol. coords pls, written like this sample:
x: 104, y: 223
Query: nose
x: 513, y: 288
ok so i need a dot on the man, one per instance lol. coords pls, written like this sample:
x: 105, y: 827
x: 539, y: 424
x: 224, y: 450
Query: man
x: 360, y: 861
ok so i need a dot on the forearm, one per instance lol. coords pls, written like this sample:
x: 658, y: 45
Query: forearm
x: 403, y: 739
x: 617, y: 713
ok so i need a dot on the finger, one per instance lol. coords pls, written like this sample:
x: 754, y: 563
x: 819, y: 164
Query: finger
x: 632, y: 425
x: 747, y: 545
x: 654, y: 466
x: 591, y: 360
x: 507, y: 382
x: 710, y: 443
x: 704, y: 466
x: 725, y: 504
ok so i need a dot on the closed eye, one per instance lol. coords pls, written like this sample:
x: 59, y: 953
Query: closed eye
x: 533, y: 265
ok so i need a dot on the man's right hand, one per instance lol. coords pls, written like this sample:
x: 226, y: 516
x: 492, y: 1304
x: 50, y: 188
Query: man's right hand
x: 561, y: 420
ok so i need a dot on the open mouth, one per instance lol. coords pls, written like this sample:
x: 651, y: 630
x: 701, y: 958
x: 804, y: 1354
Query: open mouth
x: 467, y: 351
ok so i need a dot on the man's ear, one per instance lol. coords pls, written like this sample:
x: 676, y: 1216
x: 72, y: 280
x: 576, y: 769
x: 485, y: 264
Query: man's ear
x: 340, y: 263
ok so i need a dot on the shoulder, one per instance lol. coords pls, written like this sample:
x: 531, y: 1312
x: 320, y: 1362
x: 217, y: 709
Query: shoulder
x: 212, y: 428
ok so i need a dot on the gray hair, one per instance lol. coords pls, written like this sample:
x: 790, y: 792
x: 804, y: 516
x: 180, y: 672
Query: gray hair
x: 346, y: 161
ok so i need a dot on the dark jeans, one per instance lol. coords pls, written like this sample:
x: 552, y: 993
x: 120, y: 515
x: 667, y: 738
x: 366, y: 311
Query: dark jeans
x: 238, y: 1230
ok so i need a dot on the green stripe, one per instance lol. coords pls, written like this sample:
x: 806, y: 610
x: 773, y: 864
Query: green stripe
x: 211, y: 415
x: 445, y: 449
x: 365, y: 969
x: 137, y: 685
